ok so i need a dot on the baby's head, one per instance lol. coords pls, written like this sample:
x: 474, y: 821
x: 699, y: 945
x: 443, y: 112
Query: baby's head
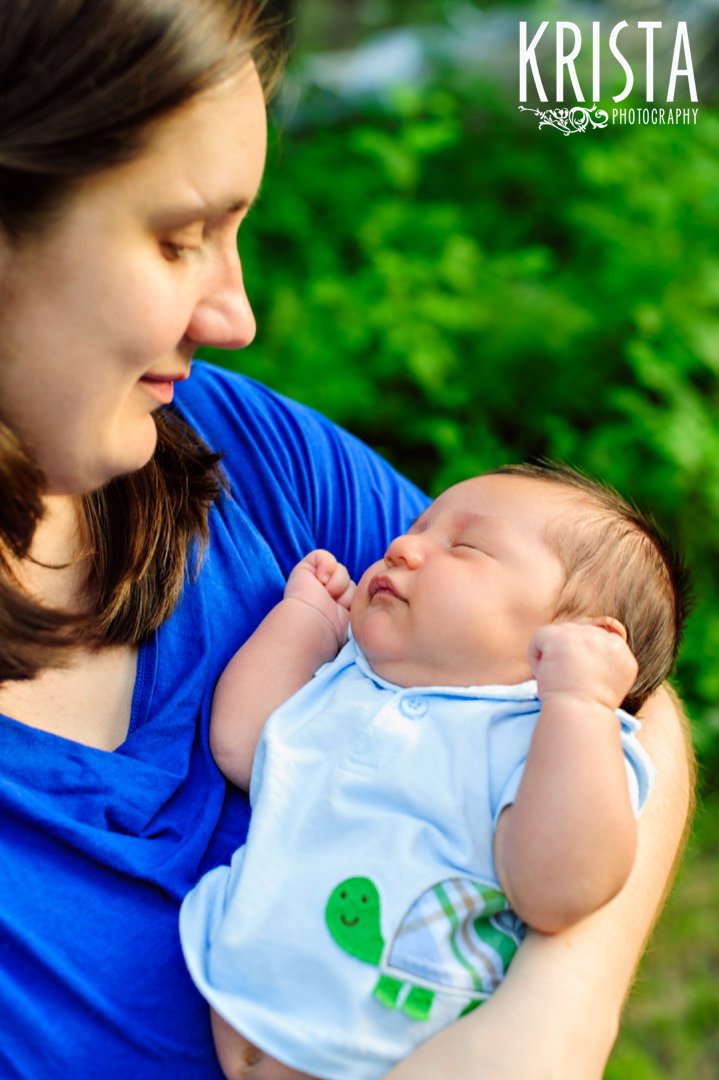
x: 457, y: 598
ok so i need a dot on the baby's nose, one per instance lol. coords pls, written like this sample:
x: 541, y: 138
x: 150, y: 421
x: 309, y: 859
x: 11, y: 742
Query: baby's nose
x: 405, y: 550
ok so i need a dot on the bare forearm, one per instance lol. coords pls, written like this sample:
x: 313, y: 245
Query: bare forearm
x: 284, y: 652
x: 567, y: 844
x: 302, y: 632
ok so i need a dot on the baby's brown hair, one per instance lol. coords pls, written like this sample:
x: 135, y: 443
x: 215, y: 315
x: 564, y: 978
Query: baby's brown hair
x: 617, y: 563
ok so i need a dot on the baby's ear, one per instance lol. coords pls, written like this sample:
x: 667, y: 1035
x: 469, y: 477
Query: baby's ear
x: 608, y: 623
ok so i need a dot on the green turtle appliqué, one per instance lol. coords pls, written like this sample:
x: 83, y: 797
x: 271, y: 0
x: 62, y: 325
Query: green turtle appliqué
x: 478, y: 937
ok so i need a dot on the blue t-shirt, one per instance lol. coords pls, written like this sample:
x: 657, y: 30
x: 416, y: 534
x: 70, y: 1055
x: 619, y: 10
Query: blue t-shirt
x: 98, y: 849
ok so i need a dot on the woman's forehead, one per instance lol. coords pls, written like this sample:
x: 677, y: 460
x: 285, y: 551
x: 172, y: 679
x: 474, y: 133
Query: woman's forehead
x: 207, y: 158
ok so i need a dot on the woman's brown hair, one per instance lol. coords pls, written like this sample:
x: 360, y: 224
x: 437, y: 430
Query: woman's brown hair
x: 81, y: 84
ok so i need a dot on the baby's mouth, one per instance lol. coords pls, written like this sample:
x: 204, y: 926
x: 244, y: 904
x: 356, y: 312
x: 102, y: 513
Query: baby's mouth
x: 381, y: 585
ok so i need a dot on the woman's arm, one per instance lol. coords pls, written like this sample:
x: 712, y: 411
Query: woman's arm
x: 556, y: 1015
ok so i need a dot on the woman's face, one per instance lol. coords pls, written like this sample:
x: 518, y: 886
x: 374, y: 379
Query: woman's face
x: 102, y: 311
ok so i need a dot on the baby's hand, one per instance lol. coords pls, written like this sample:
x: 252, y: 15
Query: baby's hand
x: 585, y: 660
x: 325, y: 585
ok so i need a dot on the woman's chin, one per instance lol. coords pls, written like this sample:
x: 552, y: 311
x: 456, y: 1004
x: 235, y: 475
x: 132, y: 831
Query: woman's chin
x: 136, y: 453
x: 90, y: 472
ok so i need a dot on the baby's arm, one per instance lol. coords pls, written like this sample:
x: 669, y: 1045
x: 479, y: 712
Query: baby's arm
x: 567, y: 843
x: 564, y: 992
x: 299, y: 634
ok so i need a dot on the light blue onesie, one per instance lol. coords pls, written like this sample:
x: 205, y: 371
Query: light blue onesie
x: 363, y: 913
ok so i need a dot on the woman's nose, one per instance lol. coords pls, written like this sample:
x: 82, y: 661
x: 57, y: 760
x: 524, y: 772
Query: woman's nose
x: 406, y: 550
x: 222, y: 316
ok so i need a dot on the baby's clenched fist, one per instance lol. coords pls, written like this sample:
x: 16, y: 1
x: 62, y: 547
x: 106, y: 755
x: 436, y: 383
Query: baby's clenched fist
x: 588, y: 660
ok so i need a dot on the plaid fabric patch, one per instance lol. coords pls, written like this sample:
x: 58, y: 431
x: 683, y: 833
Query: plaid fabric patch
x: 459, y: 935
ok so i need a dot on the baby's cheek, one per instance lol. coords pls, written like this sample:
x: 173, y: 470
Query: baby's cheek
x: 361, y: 600
x: 357, y: 612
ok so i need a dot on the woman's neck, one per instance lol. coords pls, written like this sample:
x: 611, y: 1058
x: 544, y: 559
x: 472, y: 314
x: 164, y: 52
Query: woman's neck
x: 55, y: 571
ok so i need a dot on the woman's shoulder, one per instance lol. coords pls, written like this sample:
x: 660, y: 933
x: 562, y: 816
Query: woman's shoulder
x: 215, y: 399
x: 210, y: 381
x: 288, y: 465
x: 252, y: 425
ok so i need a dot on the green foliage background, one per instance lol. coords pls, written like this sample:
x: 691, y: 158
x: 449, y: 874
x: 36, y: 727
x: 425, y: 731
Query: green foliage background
x: 461, y: 289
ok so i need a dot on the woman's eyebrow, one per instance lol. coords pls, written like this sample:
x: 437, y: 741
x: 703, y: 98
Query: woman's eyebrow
x: 208, y: 208
x: 219, y: 207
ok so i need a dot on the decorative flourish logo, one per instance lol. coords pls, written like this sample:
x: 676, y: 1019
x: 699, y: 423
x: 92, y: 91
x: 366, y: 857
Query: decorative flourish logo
x: 570, y: 121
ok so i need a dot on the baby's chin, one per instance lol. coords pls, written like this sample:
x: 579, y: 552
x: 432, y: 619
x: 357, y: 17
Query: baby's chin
x: 407, y: 671
x: 388, y: 650
x: 395, y: 669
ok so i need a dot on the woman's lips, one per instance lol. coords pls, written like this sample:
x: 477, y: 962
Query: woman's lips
x: 161, y: 387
